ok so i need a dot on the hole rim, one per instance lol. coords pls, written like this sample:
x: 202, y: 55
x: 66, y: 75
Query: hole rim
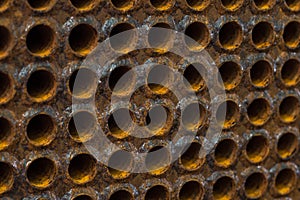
x: 167, y: 41
x: 233, y: 67
x: 260, y: 190
x: 164, y: 188
x: 129, y: 5
x: 5, y: 5
x: 169, y: 4
x: 266, y: 6
x: 239, y: 35
x: 253, y: 118
x: 267, y: 73
x: 230, y: 157
x: 8, y: 137
x: 197, y: 7
x: 290, y: 80
x: 286, y: 152
x: 262, y: 156
x: 156, y: 171
x: 199, y: 195
x: 191, y: 164
x: 232, y: 6
x: 92, y: 5
x: 43, y: 8
x: 266, y: 42
x: 228, y: 195
x: 292, y: 8
x: 9, y: 92
x: 290, y: 185
x: 291, y: 42
x: 9, y: 40
x: 198, y: 42
x: 119, y: 174
x: 292, y: 115
x: 10, y: 172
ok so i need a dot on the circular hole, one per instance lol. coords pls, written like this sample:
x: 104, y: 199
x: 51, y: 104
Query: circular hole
x: 121, y: 194
x: 257, y: 149
x: 224, y: 188
x: 157, y: 160
x: 83, y: 85
x: 225, y: 153
x: 191, y: 190
x: 198, y: 36
x: 289, y: 109
x: 259, y: 111
x: 264, y: 4
x: 160, y: 79
x: 263, y: 35
x: 123, y: 5
x: 232, y: 5
x: 255, y: 185
x: 157, y: 192
x: 232, y: 114
x: 291, y: 34
x: 81, y: 126
x: 40, y: 40
x: 290, y: 72
x: 6, y: 177
x: 82, y: 168
x: 158, y: 120
x: 119, y: 164
x: 83, y: 197
x: 191, y: 159
x: 285, y: 181
x: 5, y: 40
x: 41, y: 130
x: 231, y: 74
x: 84, y: 5
x: 161, y: 4
x: 197, y: 5
x: 6, y: 87
x: 192, y: 78
x: 293, y: 5
x: 119, y: 123
x: 261, y: 73
x: 287, y: 145
x: 41, y: 5
x: 83, y: 39
x: 159, y: 36
x: 193, y: 116
x: 231, y: 35
x: 41, y: 85
x: 41, y: 172
x: 122, y: 80
x: 124, y: 37
x: 6, y: 132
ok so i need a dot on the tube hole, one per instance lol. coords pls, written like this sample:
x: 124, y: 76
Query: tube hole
x: 6, y: 177
x: 83, y: 39
x: 291, y: 34
x: 225, y: 153
x: 82, y: 168
x: 41, y: 130
x: 126, y: 38
x: 41, y: 5
x: 5, y: 40
x: 40, y: 40
x: 232, y: 114
x: 159, y: 36
x: 122, y: 80
x: 6, y: 87
x: 197, y: 5
x: 191, y: 159
x: 158, y: 120
x: 193, y: 79
x: 261, y: 73
x: 82, y: 125
x: 84, y: 5
x: 161, y: 4
x: 232, y: 5
x: 231, y: 74
x: 191, y: 190
x: 287, y: 145
x: 157, y: 192
x: 198, y: 36
x: 263, y: 35
x: 121, y: 194
x: 84, y: 85
x: 120, y: 164
x: 264, y: 4
x: 157, y: 160
x: 290, y: 72
x: 224, y: 188
x: 83, y: 197
x: 289, y: 109
x: 120, y: 128
x: 193, y: 116
x: 231, y: 35
x: 6, y: 132
x: 285, y: 181
x: 41, y: 85
x: 257, y: 149
x: 259, y: 111
x: 255, y: 185
x: 41, y: 172
x: 123, y: 5
x: 159, y: 79
x: 293, y: 5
